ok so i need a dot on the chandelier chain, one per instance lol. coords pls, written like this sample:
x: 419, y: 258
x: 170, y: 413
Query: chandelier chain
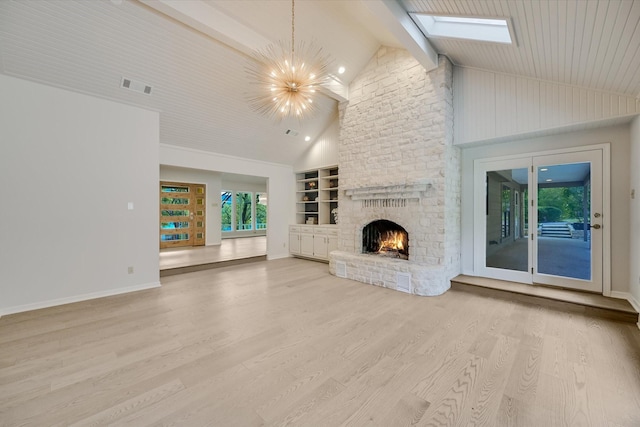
x: 293, y: 29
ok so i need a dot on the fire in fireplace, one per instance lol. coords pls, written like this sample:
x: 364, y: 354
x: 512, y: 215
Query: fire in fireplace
x: 386, y: 238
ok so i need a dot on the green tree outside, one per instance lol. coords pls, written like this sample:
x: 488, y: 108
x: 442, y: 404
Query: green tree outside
x: 243, y: 211
x: 226, y: 203
x: 261, y: 212
x: 560, y: 204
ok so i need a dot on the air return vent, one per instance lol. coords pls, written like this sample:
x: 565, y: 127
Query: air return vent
x: 135, y: 86
x: 403, y: 281
x: 291, y: 132
x: 341, y: 269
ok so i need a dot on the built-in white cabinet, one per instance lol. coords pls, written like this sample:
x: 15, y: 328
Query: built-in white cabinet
x: 306, y: 244
x: 320, y: 245
x: 313, y: 241
x: 294, y: 241
x: 317, y: 196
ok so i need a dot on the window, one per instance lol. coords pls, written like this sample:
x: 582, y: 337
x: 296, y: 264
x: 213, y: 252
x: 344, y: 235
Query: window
x: 261, y: 211
x: 243, y: 211
x: 227, y: 210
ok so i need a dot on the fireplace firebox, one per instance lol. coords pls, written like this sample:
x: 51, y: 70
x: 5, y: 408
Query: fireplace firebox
x: 385, y: 238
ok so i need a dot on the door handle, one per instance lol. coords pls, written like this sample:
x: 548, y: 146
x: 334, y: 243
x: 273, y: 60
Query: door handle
x: 596, y: 226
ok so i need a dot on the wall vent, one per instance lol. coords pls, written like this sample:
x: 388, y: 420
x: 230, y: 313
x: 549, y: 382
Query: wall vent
x: 291, y: 132
x: 341, y: 269
x: 403, y: 281
x: 135, y: 86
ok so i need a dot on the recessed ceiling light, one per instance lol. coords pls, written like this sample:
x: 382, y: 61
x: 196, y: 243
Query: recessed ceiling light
x: 307, y: 138
x: 543, y: 169
x: 495, y: 30
x: 341, y: 70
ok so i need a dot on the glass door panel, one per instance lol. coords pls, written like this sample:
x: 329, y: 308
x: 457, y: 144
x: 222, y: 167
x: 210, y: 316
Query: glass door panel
x: 502, y: 234
x: 506, y: 244
x: 568, y: 246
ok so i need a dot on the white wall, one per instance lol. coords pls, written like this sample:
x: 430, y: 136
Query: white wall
x: 323, y: 151
x: 249, y: 187
x: 489, y: 105
x: 618, y: 136
x: 634, y: 253
x: 213, y: 182
x: 280, y: 186
x: 70, y: 164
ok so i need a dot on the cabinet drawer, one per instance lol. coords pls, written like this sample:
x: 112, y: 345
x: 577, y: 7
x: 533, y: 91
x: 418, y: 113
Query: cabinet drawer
x: 294, y: 229
x: 332, y: 231
x: 306, y: 229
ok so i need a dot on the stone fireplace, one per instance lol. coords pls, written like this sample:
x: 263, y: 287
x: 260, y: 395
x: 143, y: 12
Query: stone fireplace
x: 399, y: 177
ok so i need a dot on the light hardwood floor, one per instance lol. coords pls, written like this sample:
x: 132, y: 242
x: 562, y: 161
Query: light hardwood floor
x: 284, y: 343
x: 229, y: 249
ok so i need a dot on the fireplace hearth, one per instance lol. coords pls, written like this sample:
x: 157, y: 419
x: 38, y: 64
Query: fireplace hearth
x: 385, y: 238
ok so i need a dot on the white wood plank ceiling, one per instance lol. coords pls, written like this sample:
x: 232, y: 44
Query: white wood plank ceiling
x: 199, y: 82
x: 588, y: 43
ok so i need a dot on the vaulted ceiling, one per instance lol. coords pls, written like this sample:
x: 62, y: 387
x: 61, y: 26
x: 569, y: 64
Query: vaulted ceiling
x: 199, y: 81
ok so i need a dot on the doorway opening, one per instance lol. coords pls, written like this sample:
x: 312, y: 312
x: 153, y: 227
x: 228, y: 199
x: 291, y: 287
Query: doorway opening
x: 539, y: 220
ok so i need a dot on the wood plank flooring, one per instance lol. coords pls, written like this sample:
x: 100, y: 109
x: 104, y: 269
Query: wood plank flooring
x: 228, y: 250
x: 284, y: 343
x: 619, y: 309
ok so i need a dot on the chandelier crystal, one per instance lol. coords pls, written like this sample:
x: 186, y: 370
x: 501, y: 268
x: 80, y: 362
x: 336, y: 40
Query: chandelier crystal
x: 287, y: 77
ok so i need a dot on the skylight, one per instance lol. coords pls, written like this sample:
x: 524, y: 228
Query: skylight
x: 495, y: 30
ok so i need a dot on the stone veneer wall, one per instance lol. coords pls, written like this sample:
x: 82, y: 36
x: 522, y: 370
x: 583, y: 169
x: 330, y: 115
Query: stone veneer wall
x: 396, y: 129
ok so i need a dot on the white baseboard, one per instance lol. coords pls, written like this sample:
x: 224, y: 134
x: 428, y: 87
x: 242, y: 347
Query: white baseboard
x: 76, y: 298
x: 620, y: 295
x: 626, y: 295
x: 278, y: 256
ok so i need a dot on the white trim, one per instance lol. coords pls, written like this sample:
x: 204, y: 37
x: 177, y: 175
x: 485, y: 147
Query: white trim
x: 216, y: 154
x: 77, y: 298
x: 602, y: 146
x: 606, y: 219
x: 626, y: 295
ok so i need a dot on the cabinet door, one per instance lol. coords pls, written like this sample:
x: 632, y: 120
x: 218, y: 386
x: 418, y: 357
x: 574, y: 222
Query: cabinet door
x: 294, y: 243
x: 320, y: 247
x: 306, y: 244
x: 332, y: 244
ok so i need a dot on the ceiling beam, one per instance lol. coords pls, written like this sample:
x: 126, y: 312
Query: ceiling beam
x: 396, y: 19
x: 206, y: 19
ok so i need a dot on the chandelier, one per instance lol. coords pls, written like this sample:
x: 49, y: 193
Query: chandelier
x: 287, y: 77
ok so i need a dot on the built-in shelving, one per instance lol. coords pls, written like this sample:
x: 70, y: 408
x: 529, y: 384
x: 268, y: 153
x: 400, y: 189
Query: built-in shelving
x: 317, y: 195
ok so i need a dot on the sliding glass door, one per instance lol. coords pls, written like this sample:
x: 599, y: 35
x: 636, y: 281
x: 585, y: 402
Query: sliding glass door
x: 538, y: 220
